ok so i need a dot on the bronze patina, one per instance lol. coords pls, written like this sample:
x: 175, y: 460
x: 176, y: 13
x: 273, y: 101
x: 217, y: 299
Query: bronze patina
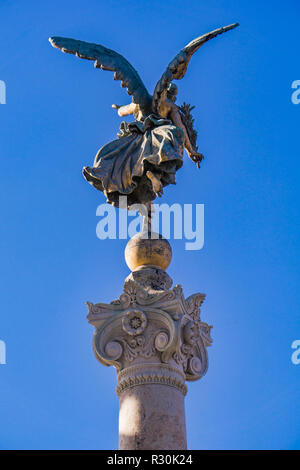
x: 148, y: 152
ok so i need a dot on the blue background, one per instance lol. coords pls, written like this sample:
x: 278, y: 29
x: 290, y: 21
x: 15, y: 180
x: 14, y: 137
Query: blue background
x: 53, y: 393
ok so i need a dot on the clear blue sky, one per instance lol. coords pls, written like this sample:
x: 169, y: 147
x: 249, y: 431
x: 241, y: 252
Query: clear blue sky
x: 53, y: 392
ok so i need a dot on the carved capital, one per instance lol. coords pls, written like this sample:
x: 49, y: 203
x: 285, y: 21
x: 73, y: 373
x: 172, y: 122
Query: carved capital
x: 151, y: 335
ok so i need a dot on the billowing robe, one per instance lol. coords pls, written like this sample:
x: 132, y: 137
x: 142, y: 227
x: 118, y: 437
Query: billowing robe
x: 120, y: 167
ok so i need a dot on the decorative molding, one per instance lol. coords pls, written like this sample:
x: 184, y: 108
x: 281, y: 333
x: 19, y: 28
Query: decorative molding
x: 151, y: 379
x: 151, y: 373
x: 137, y: 368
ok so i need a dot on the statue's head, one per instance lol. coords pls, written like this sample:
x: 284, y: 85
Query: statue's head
x: 172, y: 91
x: 191, y: 333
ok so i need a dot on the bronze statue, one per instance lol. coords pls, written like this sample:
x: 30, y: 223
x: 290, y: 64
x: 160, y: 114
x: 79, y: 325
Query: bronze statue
x: 148, y: 151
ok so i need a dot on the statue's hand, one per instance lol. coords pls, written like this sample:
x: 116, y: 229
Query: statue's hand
x: 116, y: 106
x: 197, y: 158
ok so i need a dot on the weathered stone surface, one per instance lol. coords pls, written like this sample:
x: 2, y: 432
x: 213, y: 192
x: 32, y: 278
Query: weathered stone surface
x: 144, y: 250
x: 151, y: 278
x: 152, y: 417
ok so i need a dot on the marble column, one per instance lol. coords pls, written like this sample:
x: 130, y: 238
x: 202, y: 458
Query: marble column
x: 155, y: 339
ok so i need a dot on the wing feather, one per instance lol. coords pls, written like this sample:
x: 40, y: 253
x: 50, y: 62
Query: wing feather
x: 178, y: 66
x: 107, y: 59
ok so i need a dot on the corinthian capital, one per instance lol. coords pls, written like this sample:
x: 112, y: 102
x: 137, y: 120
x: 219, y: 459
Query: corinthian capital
x: 151, y: 334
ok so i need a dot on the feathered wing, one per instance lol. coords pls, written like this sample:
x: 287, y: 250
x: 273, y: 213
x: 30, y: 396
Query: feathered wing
x: 107, y: 59
x: 178, y: 66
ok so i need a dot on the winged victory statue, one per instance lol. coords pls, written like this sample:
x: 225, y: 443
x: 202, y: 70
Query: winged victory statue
x: 148, y: 152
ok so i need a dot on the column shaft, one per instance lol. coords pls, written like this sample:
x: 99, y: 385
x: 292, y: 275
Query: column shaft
x: 152, y: 417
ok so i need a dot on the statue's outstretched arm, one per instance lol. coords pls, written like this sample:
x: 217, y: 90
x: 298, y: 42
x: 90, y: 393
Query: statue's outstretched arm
x: 126, y: 109
x: 177, y: 121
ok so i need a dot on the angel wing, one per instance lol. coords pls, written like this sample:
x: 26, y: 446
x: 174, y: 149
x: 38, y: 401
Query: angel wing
x: 107, y: 59
x: 178, y: 66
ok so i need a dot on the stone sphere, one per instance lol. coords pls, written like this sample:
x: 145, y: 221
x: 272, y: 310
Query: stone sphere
x: 142, y: 250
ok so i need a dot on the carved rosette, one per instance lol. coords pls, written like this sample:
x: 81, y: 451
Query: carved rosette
x: 151, y: 336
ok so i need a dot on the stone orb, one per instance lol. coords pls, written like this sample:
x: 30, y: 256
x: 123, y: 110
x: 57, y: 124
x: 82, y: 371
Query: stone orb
x: 142, y: 250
